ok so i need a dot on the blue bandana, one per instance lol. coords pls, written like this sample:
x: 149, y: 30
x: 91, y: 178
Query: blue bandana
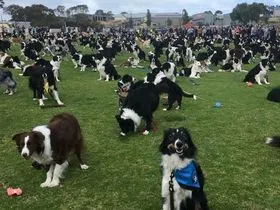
x: 187, y: 177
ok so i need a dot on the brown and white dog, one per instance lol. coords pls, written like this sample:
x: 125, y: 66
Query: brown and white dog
x: 51, y: 144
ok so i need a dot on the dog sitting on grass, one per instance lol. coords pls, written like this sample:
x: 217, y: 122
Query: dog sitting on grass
x: 182, y: 177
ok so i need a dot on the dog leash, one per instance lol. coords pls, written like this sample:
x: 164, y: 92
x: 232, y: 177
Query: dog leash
x: 171, y: 191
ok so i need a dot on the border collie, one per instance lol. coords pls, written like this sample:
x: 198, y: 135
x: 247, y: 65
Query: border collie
x: 273, y: 141
x: 55, y: 62
x: 259, y: 73
x: 107, y: 70
x: 165, y: 85
x: 141, y: 102
x: 51, y: 145
x: 170, y: 71
x: 42, y: 78
x: 124, y: 85
x: 274, y: 95
x: 12, y: 62
x: 182, y: 177
x: 234, y: 65
x: 154, y: 60
x: 193, y: 71
x: 6, y: 79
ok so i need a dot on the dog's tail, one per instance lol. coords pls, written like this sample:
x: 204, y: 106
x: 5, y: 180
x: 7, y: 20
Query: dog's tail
x: 189, y: 95
x: 273, y: 141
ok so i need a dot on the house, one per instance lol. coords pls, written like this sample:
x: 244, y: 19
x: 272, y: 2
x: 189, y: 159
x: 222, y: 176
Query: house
x: 163, y: 19
x: 205, y: 18
x: 157, y: 19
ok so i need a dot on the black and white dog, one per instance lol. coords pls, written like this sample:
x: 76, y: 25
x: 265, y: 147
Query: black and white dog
x: 41, y: 79
x: 55, y: 62
x: 182, y: 177
x: 165, y: 85
x: 273, y: 141
x: 259, y: 73
x: 140, y: 103
x: 107, y: 70
x: 51, y: 145
x: 6, y: 79
x: 124, y: 85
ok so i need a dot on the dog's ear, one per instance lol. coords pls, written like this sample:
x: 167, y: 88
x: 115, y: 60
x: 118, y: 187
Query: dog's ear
x: 167, y: 132
x: 17, y: 137
x: 39, y: 138
x: 164, y: 142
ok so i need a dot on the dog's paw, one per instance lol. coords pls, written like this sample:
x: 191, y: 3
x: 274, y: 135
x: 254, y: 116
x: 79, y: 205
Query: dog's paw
x: 54, y: 183
x: 84, y: 167
x: 164, y: 109
x: 145, y: 133
x: 45, y: 184
x: 194, y: 97
x: 122, y: 134
x: 178, y: 107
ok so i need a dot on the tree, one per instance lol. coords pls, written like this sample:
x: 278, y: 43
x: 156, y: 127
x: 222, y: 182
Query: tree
x: 82, y: 9
x: 218, y: 12
x: 149, y: 18
x: 169, y: 22
x: 61, y: 10
x: 17, y: 12
x: 37, y: 12
x: 185, y: 16
x: 71, y: 11
x: 124, y: 13
x: 110, y: 15
x: 245, y: 13
x: 2, y: 3
x: 130, y: 22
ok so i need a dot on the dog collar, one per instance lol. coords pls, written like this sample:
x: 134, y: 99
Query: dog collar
x: 187, y: 177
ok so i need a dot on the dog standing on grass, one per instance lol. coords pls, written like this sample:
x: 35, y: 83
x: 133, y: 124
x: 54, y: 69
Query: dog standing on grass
x: 182, y: 177
x: 51, y: 145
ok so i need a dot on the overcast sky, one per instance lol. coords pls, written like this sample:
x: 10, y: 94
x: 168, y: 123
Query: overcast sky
x: 136, y: 6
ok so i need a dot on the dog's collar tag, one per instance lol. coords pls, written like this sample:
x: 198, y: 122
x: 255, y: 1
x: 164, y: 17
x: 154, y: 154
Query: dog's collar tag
x: 187, y: 177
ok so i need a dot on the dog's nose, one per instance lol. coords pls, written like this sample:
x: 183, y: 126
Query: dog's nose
x: 179, y: 144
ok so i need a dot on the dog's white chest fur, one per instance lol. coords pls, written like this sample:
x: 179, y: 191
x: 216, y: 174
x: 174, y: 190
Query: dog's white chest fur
x: 169, y: 163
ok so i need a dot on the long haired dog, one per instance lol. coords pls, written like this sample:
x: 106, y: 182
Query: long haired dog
x: 41, y: 79
x: 55, y: 62
x: 165, y: 85
x: 141, y: 102
x: 6, y: 79
x: 259, y: 73
x: 124, y: 85
x: 273, y: 141
x: 182, y: 178
x: 51, y: 145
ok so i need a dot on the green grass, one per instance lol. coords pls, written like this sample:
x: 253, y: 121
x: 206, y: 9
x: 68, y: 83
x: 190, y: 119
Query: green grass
x: 241, y: 171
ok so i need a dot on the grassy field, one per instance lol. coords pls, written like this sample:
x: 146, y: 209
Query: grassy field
x: 241, y: 171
